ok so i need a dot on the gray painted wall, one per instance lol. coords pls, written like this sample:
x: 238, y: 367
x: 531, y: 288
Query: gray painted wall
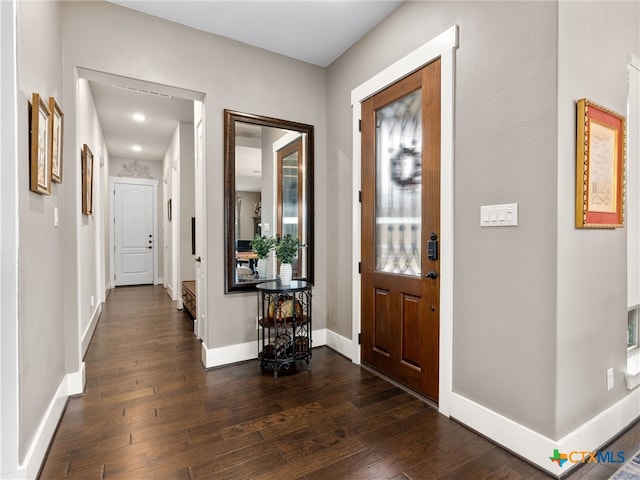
x: 245, y: 219
x: 591, y: 270
x: 90, y: 262
x: 41, y: 334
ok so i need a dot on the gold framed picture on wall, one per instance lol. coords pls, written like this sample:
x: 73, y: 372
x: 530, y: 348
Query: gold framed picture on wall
x: 40, y: 152
x: 600, y: 166
x: 87, y: 180
x: 56, y: 126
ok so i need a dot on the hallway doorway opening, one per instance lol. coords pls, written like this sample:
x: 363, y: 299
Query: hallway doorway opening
x: 149, y: 139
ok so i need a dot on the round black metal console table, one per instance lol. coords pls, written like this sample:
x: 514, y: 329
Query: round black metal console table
x: 284, y: 317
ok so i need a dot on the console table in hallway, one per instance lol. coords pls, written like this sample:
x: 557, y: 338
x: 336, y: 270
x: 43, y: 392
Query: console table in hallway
x: 189, y: 297
x: 284, y: 318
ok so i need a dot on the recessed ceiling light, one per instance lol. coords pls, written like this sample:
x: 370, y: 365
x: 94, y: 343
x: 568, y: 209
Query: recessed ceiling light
x: 136, y: 148
x: 139, y: 117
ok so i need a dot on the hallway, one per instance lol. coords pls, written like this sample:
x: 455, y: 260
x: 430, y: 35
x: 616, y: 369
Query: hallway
x: 151, y: 411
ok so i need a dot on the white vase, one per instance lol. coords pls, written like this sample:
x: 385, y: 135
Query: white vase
x: 263, y: 263
x: 285, y: 273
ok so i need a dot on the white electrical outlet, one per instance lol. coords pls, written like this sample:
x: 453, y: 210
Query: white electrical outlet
x: 93, y: 300
x: 610, y: 378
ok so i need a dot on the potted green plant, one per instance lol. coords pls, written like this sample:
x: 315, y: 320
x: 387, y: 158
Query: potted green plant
x: 286, y: 249
x: 262, y: 245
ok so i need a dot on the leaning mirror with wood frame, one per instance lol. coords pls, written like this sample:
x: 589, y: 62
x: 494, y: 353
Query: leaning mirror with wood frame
x: 268, y: 188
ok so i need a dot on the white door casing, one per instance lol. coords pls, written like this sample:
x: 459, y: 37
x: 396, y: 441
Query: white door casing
x: 134, y: 259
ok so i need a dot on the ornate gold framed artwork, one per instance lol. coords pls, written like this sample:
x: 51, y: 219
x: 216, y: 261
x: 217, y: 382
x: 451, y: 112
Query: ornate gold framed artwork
x: 56, y: 127
x: 87, y: 180
x: 40, y: 152
x: 600, y: 166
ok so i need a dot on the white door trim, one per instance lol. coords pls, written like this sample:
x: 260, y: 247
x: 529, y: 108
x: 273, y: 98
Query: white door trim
x: 442, y: 46
x: 9, y: 190
x: 112, y: 243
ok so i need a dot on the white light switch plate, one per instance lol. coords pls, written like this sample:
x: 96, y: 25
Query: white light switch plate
x: 499, y: 215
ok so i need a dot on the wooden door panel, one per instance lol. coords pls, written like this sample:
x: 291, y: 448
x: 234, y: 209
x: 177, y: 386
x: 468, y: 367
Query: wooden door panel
x: 411, y: 332
x: 383, y: 322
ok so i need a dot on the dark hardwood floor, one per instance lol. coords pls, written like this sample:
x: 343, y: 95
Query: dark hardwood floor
x: 150, y: 410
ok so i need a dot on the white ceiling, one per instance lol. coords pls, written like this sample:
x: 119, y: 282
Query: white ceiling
x: 314, y: 31
x: 116, y: 106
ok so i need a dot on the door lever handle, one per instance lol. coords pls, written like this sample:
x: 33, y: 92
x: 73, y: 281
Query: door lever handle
x: 432, y: 274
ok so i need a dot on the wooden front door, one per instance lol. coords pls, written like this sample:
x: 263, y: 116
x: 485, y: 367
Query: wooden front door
x: 400, y: 229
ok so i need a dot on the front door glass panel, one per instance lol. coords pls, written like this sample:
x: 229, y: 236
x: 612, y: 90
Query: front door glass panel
x: 398, y: 203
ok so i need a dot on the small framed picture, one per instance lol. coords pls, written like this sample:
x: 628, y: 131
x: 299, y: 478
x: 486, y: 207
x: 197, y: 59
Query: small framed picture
x: 87, y: 180
x: 40, y: 161
x: 600, y: 166
x: 56, y: 126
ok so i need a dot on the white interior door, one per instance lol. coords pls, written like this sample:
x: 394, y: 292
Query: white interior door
x: 200, y: 326
x: 134, y: 233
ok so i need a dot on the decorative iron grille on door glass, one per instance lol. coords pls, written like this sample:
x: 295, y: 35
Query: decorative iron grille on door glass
x: 399, y: 186
x: 284, y: 318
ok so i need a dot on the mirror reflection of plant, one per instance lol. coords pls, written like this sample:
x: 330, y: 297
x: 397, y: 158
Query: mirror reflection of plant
x: 262, y: 245
x: 287, y: 247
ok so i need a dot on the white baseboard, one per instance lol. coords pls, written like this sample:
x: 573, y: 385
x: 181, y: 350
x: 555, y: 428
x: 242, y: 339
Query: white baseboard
x: 76, y: 381
x: 340, y: 344
x: 519, y: 439
x: 219, y: 356
x: 71, y: 384
x: 319, y: 337
x: 88, y: 333
x: 180, y: 304
x: 598, y: 431
x: 537, y: 448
